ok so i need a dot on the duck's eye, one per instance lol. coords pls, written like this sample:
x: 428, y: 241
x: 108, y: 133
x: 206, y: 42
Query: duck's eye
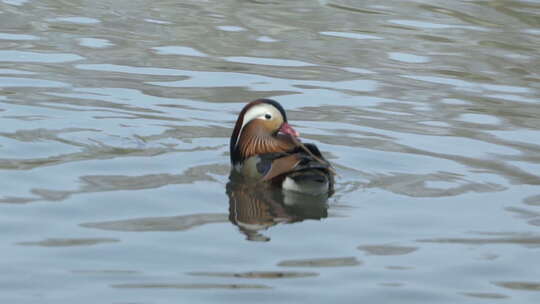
x: 268, y: 116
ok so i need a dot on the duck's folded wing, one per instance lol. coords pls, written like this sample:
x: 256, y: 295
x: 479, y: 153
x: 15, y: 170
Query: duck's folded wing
x: 286, y: 164
x: 281, y: 165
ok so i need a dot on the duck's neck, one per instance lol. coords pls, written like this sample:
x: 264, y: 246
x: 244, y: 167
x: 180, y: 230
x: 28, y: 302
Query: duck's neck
x: 254, y: 143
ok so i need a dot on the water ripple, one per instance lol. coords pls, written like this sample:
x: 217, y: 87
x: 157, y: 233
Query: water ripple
x: 115, y: 120
x: 22, y: 56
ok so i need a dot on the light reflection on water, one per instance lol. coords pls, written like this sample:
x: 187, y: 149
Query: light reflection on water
x: 115, y: 118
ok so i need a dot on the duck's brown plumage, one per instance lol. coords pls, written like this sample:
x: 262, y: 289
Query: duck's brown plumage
x: 260, y: 152
x: 255, y: 140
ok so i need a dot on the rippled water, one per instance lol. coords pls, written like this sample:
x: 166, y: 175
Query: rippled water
x: 115, y: 118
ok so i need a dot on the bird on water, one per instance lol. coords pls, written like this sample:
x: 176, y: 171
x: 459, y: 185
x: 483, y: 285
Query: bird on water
x: 264, y: 148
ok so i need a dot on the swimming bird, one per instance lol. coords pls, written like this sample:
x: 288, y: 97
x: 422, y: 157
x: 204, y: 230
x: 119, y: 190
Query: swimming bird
x: 264, y: 148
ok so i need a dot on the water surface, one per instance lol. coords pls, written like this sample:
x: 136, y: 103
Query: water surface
x: 115, y: 119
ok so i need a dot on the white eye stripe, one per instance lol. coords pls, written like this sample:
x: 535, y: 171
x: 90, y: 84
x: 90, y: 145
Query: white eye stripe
x: 259, y: 111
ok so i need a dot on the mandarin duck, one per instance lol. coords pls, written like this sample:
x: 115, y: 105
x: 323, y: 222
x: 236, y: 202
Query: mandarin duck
x: 264, y: 148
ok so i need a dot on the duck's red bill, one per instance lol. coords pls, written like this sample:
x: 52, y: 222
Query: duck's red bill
x: 287, y: 129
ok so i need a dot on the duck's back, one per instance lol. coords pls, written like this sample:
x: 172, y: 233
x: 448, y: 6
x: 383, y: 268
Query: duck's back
x: 296, y: 170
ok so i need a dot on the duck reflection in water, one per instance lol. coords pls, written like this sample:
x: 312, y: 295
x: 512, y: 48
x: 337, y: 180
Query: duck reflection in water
x: 274, y: 177
x: 254, y: 208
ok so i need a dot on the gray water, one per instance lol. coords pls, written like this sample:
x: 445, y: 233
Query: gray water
x: 115, y: 118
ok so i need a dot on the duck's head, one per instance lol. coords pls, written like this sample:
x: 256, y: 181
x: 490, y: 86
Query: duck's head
x: 261, y: 127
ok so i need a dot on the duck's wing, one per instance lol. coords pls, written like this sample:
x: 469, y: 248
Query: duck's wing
x: 280, y: 166
x: 298, y: 160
